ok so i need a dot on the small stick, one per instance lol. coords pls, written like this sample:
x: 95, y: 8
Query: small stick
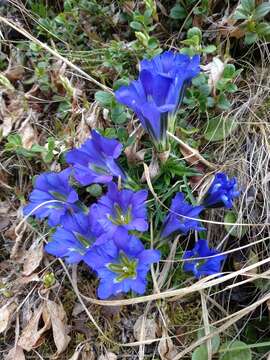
x: 54, y: 53
x: 193, y: 152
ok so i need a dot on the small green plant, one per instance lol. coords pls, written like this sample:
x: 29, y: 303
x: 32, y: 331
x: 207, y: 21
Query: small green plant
x: 117, y: 112
x: 253, y: 24
x: 14, y: 144
x: 143, y: 25
x: 194, y: 45
x: 181, y: 11
x: 200, y: 94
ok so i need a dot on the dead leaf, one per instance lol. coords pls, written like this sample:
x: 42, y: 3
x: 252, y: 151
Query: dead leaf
x: 4, y: 207
x: 59, y: 325
x: 82, y: 132
x: 134, y: 156
x: 76, y: 355
x: 14, y: 72
x: 15, y: 353
x: 92, y: 117
x: 215, y: 70
x: 268, y: 305
x: 28, y: 134
x: 12, y: 112
x: 166, y: 348
x: 6, y: 312
x: 108, y: 356
x: 154, y: 168
x: 144, y: 329
x: 31, y: 334
x: 33, y: 258
x: 27, y: 279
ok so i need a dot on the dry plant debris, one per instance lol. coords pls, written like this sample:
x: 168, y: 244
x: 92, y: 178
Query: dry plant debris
x: 61, y: 64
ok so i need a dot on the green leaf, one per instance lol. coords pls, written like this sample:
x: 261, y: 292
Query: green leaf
x: 237, y: 350
x: 209, y: 49
x: 250, y: 38
x: 178, y: 12
x: 231, y: 88
x: 223, y: 102
x: 248, y: 5
x: 153, y: 43
x: 236, y: 231
x: 6, y: 83
x: 219, y: 128
x: 178, y: 168
x: 200, y: 353
x: 261, y: 11
x: 229, y: 71
x: 14, y: 139
x: 104, y: 98
x: 118, y: 114
x: 263, y: 29
x: 240, y: 13
x: 215, y: 340
x: 136, y: 25
x: 195, y: 31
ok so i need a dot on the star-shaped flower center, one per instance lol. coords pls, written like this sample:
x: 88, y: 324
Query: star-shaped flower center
x: 125, y: 268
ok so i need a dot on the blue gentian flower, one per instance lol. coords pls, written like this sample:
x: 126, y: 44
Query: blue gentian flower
x: 120, y: 211
x: 156, y: 95
x: 95, y: 161
x: 74, y: 240
x: 202, y: 267
x: 53, y: 186
x: 221, y: 192
x: 121, y: 268
x: 174, y: 222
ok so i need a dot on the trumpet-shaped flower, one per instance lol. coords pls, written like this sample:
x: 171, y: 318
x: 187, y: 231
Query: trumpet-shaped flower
x: 157, y: 94
x: 53, y: 198
x: 95, y: 161
x: 74, y: 240
x: 182, y: 217
x: 221, y: 192
x: 202, y: 267
x: 119, y: 211
x: 121, y: 268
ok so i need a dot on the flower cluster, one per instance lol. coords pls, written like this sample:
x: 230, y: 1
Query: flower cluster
x: 99, y: 235
x: 183, y: 217
x: 106, y: 234
x: 158, y: 92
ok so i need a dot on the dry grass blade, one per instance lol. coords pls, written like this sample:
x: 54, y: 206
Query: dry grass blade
x: 59, y: 325
x: 54, y: 53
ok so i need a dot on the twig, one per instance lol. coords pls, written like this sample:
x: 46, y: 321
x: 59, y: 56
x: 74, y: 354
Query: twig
x: 54, y: 53
x: 193, y: 152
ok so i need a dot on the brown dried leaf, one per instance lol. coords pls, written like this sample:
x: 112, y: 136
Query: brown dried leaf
x: 144, y: 329
x: 32, y: 258
x: 11, y: 114
x: 108, y: 356
x: 166, y: 348
x: 133, y: 155
x: 59, y: 325
x: 31, y: 334
x: 92, y: 118
x: 14, y: 72
x: 76, y: 355
x: 88, y: 354
x: 6, y: 312
x: 27, y: 279
x: 28, y: 134
x: 16, y: 353
x: 154, y: 168
x: 82, y: 132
